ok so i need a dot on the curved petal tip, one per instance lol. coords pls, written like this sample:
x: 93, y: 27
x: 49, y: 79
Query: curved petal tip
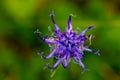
x: 52, y: 14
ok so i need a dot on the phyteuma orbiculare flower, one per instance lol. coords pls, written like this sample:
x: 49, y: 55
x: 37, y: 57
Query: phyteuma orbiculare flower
x: 68, y: 45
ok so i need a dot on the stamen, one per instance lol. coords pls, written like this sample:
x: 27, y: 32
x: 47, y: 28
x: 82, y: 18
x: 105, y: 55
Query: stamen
x: 41, y: 54
x: 85, y: 69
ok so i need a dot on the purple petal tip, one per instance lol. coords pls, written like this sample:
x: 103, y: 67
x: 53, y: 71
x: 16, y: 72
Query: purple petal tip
x: 91, y: 27
x: 52, y: 14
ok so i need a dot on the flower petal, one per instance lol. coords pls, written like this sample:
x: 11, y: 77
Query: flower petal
x: 80, y: 62
x: 90, y: 50
x: 56, y: 64
x: 37, y: 32
x: 66, y: 60
x: 50, y: 41
x: 84, y: 31
x: 57, y: 30
x: 51, y: 54
x: 69, y: 27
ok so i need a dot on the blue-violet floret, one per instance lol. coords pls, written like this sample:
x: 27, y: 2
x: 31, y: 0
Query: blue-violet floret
x: 66, y: 46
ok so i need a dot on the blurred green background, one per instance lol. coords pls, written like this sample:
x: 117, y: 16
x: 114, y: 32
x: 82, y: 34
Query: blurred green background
x: 19, y: 45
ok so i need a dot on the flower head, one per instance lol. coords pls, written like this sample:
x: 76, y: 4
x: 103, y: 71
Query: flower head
x: 66, y: 46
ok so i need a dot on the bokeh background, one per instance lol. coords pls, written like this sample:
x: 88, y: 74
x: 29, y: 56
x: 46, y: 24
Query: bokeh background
x: 19, y: 45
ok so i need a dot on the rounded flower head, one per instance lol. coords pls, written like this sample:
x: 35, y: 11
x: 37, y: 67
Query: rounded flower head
x: 68, y: 45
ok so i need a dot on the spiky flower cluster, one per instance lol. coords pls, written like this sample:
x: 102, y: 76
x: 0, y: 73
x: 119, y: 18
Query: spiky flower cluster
x: 67, y: 45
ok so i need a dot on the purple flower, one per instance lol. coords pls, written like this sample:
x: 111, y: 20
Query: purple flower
x: 68, y: 45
